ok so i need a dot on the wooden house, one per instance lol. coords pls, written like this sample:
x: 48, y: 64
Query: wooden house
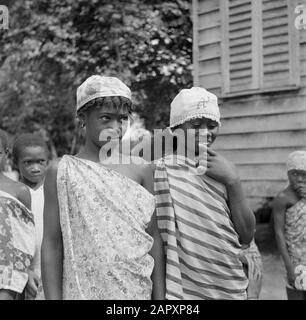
x: 252, y: 56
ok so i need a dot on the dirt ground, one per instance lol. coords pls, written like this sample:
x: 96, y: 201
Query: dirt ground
x: 273, y: 286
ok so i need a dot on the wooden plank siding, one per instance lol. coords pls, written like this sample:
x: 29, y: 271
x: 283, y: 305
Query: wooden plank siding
x: 258, y: 130
x: 209, y: 45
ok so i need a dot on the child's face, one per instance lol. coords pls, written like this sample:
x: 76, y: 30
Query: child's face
x: 297, y: 179
x: 211, y: 126
x: 3, y: 156
x: 106, y: 120
x: 33, y: 163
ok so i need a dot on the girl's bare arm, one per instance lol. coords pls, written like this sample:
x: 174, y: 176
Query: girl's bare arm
x: 157, y: 252
x: 279, y: 211
x: 52, y: 245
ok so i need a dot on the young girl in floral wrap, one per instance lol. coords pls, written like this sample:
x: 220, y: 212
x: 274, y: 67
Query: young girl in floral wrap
x: 289, y: 210
x: 101, y: 239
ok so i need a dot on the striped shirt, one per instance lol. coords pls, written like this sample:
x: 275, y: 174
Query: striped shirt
x: 201, y: 244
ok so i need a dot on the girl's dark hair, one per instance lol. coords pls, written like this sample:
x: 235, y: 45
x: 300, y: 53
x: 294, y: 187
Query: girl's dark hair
x: 4, y: 139
x: 28, y: 140
x: 116, y: 102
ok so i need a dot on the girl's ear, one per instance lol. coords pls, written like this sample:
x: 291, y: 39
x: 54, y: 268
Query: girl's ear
x: 81, y: 118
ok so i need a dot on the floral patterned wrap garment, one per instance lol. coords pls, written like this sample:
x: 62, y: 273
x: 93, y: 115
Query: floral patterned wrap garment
x: 103, y: 217
x: 295, y: 233
x: 17, y: 243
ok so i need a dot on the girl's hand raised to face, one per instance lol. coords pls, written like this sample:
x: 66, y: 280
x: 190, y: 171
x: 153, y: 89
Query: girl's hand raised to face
x: 302, y: 192
x: 220, y: 168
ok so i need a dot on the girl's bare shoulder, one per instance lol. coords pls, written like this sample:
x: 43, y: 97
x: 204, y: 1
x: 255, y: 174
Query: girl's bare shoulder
x: 15, y: 188
x: 20, y: 191
x: 285, y: 198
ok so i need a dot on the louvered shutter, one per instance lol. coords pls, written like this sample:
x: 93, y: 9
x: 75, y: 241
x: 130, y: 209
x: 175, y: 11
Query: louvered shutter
x: 277, y: 70
x: 258, y: 46
x: 240, y: 45
x: 238, y: 36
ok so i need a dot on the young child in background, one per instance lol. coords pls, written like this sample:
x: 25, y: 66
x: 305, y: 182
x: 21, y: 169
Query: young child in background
x: 101, y: 239
x: 289, y: 212
x: 17, y: 234
x: 31, y: 154
x: 204, y: 219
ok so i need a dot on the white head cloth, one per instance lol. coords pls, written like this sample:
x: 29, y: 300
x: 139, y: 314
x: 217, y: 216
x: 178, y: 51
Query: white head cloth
x: 194, y: 103
x: 297, y: 161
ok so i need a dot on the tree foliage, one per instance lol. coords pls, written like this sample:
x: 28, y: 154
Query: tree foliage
x: 53, y: 45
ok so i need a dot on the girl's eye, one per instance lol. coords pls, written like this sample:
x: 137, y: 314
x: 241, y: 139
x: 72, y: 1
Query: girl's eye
x: 105, y: 118
x: 125, y: 119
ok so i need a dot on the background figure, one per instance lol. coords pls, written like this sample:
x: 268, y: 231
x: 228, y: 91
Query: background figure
x: 17, y: 234
x: 31, y: 155
x: 8, y: 167
x: 289, y: 210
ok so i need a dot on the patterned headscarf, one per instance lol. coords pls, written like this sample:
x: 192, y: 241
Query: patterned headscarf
x: 98, y: 86
x: 297, y: 161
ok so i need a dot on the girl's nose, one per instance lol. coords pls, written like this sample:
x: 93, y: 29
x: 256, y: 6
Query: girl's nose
x: 116, y: 124
x: 35, y: 169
